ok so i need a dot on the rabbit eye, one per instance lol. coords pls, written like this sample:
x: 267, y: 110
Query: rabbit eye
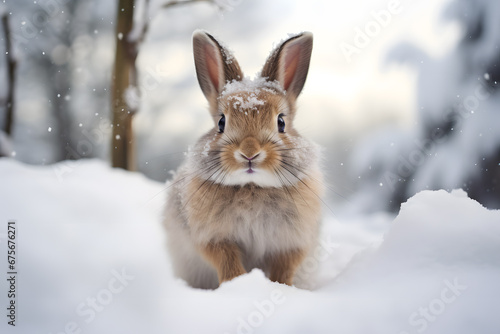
x: 222, y: 123
x: 281, y: 123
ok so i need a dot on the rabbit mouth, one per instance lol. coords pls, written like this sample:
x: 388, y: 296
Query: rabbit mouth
x: 249, y: 165
x: 250, y: 170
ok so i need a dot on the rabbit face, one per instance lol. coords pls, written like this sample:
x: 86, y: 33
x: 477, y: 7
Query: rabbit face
x: 257, y: 143
x: 253, y: 139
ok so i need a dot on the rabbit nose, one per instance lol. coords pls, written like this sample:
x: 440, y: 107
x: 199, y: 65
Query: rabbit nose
x: 249, y: 159
x: 249, y: 148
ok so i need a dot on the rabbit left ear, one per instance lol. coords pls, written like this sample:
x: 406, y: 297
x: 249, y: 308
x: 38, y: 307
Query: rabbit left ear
x: 289, y: 63
x: 215, y: 65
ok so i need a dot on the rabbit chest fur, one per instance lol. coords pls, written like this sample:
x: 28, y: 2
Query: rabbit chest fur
x: 261, y: 221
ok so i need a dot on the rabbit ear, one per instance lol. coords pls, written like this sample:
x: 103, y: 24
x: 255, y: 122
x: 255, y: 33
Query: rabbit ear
x: 289, y: 63
x: 215, y: 65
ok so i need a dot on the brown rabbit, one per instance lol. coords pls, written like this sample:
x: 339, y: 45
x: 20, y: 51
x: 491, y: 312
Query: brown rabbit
x: 248, y: 195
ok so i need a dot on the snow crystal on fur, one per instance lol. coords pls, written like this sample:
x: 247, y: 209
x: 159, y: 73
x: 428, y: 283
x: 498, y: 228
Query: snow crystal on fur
x: 252, y: 88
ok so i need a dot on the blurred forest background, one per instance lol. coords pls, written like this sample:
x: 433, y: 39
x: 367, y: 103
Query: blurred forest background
x: 402, y: 95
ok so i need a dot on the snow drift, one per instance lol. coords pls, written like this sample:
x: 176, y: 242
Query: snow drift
x: 92, y: 259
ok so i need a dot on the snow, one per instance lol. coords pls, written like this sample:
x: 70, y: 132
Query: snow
x: 249, y: 100
x: 132, y: 97
x: 228, y: 53
x: 250, y: 85
x: 246, y: 102
x: 206, y: 148
x: 225, y: 49
x: 278, y: 45
x: 92, y: 256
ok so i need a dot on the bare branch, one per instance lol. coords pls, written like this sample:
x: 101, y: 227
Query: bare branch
x: 169, y: 4
x: 184, y: 2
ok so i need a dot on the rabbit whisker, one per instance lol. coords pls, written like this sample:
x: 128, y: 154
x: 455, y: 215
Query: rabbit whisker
x: 305, y: 184
x: 277, y: 172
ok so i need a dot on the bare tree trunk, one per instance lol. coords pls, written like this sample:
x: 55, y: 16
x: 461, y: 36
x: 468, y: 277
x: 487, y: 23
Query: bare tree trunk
x: 124, y: 77
x: 11, y: 68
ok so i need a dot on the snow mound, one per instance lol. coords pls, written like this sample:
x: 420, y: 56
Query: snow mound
x: 454, y: 231
x: 92, y: 258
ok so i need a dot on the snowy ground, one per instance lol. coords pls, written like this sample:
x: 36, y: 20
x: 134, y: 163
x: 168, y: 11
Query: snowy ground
x: 92, y: 259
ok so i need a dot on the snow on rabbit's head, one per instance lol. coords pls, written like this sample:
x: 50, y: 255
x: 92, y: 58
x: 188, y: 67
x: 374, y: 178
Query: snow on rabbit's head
x: 253, y: 139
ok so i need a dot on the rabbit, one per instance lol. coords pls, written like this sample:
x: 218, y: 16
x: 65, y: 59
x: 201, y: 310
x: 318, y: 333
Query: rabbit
x: 249, y: 193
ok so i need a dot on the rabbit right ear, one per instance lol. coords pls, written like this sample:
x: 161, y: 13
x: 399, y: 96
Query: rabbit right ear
x: 215, y: 65
x: 289, y: 63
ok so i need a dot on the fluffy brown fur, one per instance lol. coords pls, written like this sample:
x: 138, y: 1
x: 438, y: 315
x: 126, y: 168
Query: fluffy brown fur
x: 249, y: 196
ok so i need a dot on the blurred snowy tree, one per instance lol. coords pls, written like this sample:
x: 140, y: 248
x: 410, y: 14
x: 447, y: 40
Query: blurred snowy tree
x: 42, y: 40
x: 7, y: 98
x: 7, y: 94
x: 457, y: 142
x: 48, y: 47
